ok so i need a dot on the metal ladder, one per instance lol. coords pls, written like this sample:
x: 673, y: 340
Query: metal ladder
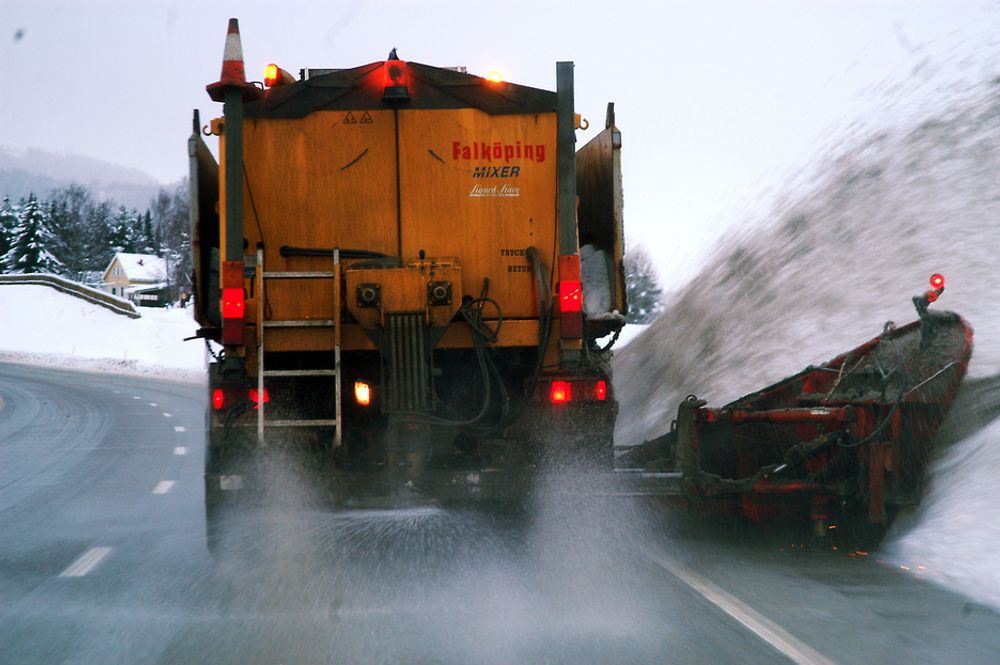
x: 262, y: 325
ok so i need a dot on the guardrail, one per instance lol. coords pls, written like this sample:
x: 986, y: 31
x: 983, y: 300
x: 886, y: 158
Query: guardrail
x: 88, y: 293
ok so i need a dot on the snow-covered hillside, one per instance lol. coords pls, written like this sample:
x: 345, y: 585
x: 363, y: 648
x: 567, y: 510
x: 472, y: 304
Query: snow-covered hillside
x: 45, y: 327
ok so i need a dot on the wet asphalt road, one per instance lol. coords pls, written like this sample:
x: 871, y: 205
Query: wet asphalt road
x: 103, y: 560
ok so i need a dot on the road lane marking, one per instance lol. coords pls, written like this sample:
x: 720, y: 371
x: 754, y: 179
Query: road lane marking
x: 87, y: 562
x: 766, y: 629
x: 178, y: 428
x: 166, y: 415
x: 180, y: 450
x: 136, y: 397
x: 153, y: 404
x: 163, y: 486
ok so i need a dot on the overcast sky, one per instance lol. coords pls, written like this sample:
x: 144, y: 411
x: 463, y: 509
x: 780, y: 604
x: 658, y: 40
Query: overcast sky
x: 716, y: 100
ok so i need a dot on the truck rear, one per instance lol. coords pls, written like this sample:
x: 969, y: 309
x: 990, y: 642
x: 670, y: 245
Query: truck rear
x: 406, y: 270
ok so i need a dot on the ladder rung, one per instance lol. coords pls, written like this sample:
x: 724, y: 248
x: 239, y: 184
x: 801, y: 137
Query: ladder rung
x: 301, y: 323
x: 319, y: 422
x: 299, y: 274
x: 300, y: 372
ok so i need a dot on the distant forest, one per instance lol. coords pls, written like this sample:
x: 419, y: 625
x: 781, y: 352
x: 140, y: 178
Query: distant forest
x: 71, y: 233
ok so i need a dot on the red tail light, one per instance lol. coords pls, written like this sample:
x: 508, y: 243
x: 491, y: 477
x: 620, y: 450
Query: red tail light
x: 601, y: 391
x: 570, y: 297
x: 937, y: 281
x: 560, y: 392
x: 932, y: 296
x: 233, y: 304
x: 218, y: 399
x: 255, y: 397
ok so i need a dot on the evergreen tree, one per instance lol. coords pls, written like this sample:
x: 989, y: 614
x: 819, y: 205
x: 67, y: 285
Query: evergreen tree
x: 148, y: 241
x: 642, y: 287
x: 97, y: 245
x: 30, y: 251
x: 125, y: 231
x: 68, y: 209
x: 8, y: 222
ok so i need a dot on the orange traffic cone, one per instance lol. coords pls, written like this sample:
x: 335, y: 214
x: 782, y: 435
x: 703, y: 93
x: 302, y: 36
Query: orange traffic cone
x: 233, y: 73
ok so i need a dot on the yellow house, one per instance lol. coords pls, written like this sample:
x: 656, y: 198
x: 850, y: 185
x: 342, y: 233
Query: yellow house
x: 141, y: 278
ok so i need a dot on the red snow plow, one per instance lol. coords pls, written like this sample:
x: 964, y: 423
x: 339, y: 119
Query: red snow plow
x: 845, y: 440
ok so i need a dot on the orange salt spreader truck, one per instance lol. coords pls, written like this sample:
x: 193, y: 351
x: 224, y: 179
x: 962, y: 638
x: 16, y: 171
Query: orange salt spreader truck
x: 407, y: 269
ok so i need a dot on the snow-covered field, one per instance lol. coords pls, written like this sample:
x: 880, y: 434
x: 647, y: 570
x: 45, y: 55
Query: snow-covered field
x: 42, y: 326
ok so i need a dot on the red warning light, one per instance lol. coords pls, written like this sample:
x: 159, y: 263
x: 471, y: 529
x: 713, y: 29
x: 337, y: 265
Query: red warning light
x: 560, y: 392
x: 395, y: 80
x: 937, y: 281
x: 218, y: 398
x: 932, y: 296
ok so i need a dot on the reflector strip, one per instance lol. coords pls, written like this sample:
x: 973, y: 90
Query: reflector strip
x: 570, y: 297
x: 232, y: 303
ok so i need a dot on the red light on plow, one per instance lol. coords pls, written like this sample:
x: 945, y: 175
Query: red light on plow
x: 601, y: 390
x: 218, y: 398
x: 937, y: 281
x: 932, y: 296
x: 560, y: 392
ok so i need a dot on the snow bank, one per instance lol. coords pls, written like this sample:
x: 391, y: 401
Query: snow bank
x: 42, y: 326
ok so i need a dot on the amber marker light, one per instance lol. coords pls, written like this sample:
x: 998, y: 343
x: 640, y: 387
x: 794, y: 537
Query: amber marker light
x: 494, y: 76
x: 270, y: 75
x: 362, y: 393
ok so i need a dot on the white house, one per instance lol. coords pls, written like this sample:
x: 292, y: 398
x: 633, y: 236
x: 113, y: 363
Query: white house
x: 141, y: 278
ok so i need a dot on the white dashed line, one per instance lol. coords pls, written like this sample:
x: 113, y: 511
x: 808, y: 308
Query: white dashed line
x: 180, y: 450
x: 163, y: 487
x: 166, y: 415
x: 118, y: 392
x: 136, y: 397
x: 153, y: 404
x: 178, y: 428
x: 793, y: 648
x: 87, y: 562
